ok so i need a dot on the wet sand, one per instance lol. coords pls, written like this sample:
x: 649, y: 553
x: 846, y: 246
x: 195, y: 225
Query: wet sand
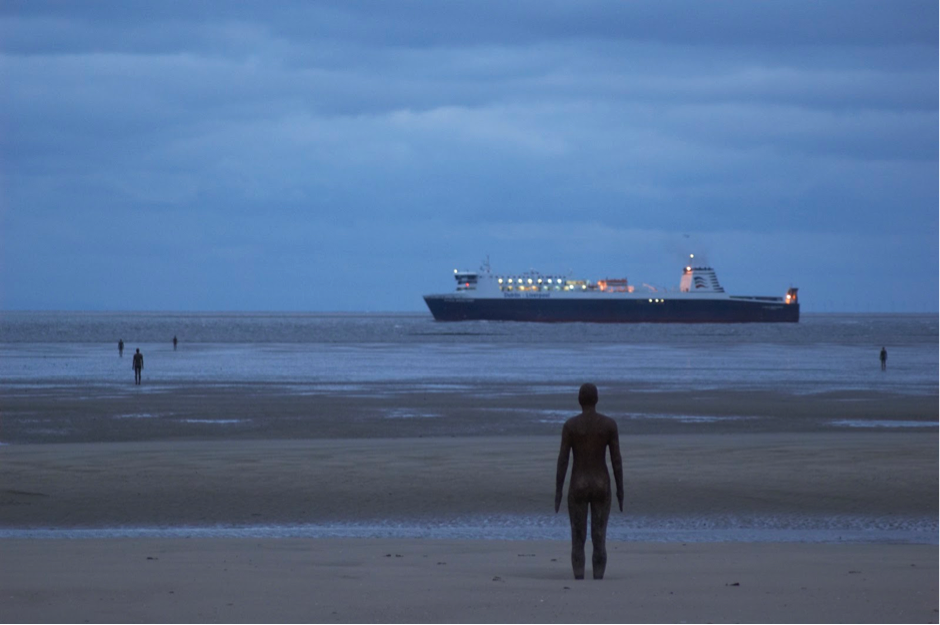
x: 354, y: 463
x: 90, y: 414
x: 870, y: 474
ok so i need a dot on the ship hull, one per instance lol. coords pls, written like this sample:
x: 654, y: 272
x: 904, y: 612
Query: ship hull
x: 557, y: 310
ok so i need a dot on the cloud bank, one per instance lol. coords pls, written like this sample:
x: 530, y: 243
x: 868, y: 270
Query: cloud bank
x: 348, y: 155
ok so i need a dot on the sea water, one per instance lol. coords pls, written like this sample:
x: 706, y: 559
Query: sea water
x: 822, y: 353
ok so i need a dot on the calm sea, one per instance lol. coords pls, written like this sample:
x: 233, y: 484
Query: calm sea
x: 824, y: 352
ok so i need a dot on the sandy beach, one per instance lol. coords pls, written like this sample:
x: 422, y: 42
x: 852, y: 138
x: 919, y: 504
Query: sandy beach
x: 404, y: 581
x: 270, y: 503
x: 427, y: 482
x: 83, y: 413
x: 420, y: 480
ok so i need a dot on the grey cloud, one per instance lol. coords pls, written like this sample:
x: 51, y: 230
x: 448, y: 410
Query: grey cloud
x: 228, y: 138
x: 431, y: 23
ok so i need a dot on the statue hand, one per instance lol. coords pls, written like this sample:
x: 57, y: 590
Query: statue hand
x: 620, y: 500
x: 557, y: 501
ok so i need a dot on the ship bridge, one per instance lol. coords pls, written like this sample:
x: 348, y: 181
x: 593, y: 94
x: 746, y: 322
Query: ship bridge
x: 699, y: 280
x: 466, y: 280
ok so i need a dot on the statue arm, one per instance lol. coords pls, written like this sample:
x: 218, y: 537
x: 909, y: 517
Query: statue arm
x: 563, y: 454
x: 617, y: 463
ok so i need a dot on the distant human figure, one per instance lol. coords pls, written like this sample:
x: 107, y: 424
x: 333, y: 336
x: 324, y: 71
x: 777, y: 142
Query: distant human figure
x: 138, y: 365
x: 884, y: 359
x: 121, y: 348
x: 174, y: 343
x: 589, y: 435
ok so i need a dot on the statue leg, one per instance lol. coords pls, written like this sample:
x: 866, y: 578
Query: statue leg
x: 600, y: 511
x: 577, y: 514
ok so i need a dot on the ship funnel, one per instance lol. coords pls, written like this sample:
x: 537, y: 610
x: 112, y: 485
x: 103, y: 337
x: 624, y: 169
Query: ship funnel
x: 699, y: 280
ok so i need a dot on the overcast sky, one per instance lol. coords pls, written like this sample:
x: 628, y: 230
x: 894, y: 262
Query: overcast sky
x: 347, y: 156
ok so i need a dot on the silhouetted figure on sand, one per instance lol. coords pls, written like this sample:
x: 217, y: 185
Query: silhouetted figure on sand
x: 174, y: 343
x: 589, y: 435
x: 138, y: 365
x: 121, y: 348
x: 884, y: 359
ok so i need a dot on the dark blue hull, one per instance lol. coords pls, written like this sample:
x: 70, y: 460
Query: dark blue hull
x: 771, y: 310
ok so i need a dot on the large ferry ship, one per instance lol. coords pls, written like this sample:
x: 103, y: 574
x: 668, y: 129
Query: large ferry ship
x: 532, y: 296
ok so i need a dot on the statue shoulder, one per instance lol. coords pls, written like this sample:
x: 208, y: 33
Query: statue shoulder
x: 608, y: 422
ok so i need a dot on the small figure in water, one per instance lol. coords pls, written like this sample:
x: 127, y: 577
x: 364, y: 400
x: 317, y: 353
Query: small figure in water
x: 884, y: 359
x: 174, y: 343
x: 138, y: 365
x: 121, y: 348
x: 589, y: 435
